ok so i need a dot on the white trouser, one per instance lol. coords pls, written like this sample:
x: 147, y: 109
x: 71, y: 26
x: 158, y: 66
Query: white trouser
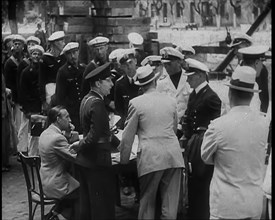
x: 23, y: 134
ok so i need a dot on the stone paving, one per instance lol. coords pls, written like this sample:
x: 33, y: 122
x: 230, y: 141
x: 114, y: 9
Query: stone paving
x: 15, y: 200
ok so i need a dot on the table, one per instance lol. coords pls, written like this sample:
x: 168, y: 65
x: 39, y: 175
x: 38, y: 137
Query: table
x: 118, y: 168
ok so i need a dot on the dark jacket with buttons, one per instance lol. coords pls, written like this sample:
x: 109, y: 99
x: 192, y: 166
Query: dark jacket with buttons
x: 201, y: 109
x: 68, y: 92
x: 22, y: 65
x: 95, y: 147
x: 10, y: 73
x: 49, y: 65
x: 124, y: 92
x: 29, y: 89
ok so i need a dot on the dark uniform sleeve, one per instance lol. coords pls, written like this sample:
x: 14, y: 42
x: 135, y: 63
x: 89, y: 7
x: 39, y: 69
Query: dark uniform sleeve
x: 42, y: 79
x: 263, y: 85
x: 22, y: 65
x: 214, y: 106
x: 10, y: 71
x: 24, y: 85
x: 61, y: 89
x: 119, y: 101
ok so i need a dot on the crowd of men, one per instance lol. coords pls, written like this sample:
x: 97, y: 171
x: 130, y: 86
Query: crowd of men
x: 199, y: 147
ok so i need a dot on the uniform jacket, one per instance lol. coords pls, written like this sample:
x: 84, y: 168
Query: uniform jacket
x: 22, y: 65
x: 56, y: 181
x: 235, y: 143
x: 48, y: 68
x: 201, y: 109
x: 68, y: 91
x: 4, y: 98
x: 124, y: 92
x: 181, y: 93
x: 10, y: 73
x: 153, y: 117
x: 262, y: 81
x: 95, y: 147
x: 29, y: 89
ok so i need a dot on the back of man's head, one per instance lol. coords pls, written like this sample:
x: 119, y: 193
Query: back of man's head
x: 53, y: 113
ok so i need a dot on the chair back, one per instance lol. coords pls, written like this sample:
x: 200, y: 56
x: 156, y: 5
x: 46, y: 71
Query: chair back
x: 31, y: 166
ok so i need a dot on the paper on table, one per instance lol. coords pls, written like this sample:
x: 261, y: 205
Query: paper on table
x: 116, y: 118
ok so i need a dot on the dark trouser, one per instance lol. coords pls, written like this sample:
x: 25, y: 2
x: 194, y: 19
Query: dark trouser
x: 67, y: 204
x: 199, y: 178
x: 97, y: 193
x: 5, y: 142
x: 198, y: 197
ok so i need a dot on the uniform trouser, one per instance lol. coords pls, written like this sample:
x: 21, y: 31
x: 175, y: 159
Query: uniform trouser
x: 33, y: 146
x: 23, y: 134
x: 97, y: 193
x: 67, y: 205
x: 27, y: 143
x: 17, y: 113
x: 5, y: 141
x: 167, y: 183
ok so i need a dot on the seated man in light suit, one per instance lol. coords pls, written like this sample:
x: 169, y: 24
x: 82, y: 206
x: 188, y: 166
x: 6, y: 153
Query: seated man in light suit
x: 53, y: 147
x: 153, y: 117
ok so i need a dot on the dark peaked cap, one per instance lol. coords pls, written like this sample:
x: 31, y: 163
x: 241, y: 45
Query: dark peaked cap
x: 100, y: 73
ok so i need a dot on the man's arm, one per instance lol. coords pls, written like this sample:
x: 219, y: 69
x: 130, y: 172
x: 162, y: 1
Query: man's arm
x: 128, y: 135
x: 209, y: 145
x: 62, y: 148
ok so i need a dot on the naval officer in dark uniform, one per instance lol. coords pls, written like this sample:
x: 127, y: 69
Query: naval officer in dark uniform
x: 49, y: 64
x: 68, y: 83
x: 97, y: 181
x: 125, y: 88
x: 203, y: 106
x: 99, y: 46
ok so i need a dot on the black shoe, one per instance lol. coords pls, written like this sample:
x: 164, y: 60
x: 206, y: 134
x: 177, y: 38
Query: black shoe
x: 51, y: 216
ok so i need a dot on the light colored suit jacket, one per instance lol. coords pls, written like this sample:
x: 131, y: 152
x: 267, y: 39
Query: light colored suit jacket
x: 56, y: 181
x: 235, y: 143
x: 181, y: 93
x: 152, y: 116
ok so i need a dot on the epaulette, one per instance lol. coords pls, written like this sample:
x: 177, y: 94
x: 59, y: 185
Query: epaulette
x: 83, y: 65
x: 48, y: 54
x: 162, y: 77
x: 120, y: 78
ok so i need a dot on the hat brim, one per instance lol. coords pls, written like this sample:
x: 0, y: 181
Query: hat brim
x: 150, y: 80
x: 234, y: 44
x: 242, y: 88
x: 189, y: 74
x: 166, y: 61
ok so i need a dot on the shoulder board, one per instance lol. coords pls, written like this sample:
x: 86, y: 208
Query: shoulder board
x: 82, y: 65
x: 48, y: 54
x: 162, y: 77
x: 120, y: 78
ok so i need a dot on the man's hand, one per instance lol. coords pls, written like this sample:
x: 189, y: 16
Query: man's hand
x: 8, y: 92
x: 45, y: 107
x: 74, y: 147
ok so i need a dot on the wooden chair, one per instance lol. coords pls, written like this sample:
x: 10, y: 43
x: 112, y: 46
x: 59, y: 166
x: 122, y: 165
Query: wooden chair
x: 31, y: 166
